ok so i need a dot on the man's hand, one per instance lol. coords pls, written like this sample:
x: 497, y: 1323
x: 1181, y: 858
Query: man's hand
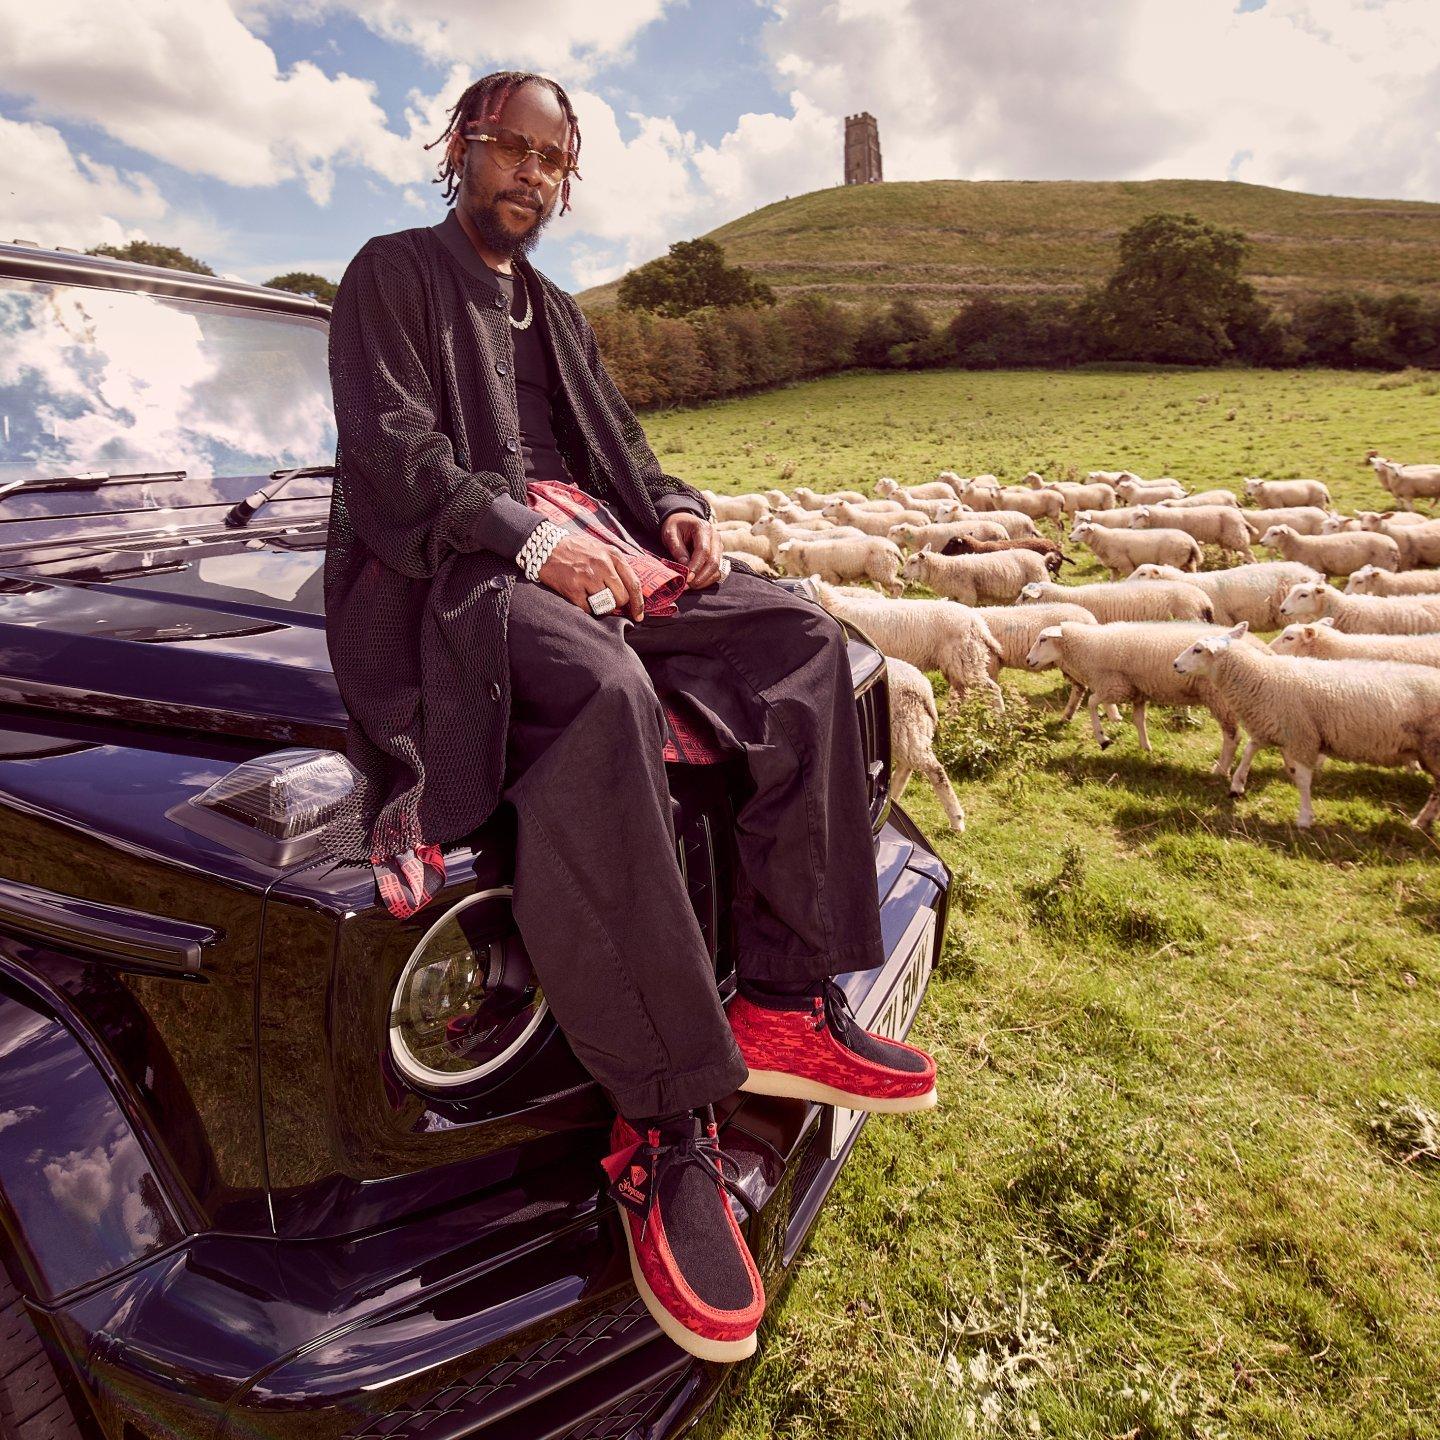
x: 579, y: 566
x: 696, y: 543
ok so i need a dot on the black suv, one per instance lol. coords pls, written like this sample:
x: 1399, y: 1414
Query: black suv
x: 272, y: 1162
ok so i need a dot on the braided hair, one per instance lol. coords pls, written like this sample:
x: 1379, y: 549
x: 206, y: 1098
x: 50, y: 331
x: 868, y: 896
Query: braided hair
x: 485, y: 100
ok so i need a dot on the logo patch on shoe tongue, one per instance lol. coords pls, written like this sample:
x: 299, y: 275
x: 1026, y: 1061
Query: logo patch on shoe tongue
x: 632, y: 1190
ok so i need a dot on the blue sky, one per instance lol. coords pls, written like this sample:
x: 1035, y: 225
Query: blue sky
x: 266, y: 135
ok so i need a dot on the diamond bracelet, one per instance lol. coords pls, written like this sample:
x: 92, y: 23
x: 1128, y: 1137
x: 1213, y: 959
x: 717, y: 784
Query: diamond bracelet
x: 536, y: 550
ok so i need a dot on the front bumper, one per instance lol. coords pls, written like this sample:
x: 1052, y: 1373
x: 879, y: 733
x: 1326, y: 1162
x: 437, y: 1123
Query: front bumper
x: 545, y: 1338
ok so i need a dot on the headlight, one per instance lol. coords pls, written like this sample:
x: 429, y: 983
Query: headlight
x: 273, y: 807
x: 467, y: 1002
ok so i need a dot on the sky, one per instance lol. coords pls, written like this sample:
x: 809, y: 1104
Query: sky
x: 265, y: 136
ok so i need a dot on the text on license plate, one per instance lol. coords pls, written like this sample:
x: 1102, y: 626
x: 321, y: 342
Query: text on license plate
x: 891, y: 1006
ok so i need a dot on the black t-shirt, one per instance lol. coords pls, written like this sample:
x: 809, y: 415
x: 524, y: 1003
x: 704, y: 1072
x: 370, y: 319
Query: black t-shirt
x: 535, y: 382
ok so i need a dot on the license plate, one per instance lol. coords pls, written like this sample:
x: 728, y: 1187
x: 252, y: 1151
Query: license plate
x: 890, y: 1006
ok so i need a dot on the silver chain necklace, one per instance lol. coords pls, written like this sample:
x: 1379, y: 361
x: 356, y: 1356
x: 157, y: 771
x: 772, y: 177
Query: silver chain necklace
x: 529, y: 308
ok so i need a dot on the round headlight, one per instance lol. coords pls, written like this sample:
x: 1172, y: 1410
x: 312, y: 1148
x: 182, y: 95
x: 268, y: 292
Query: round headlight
x: 467, y: 1001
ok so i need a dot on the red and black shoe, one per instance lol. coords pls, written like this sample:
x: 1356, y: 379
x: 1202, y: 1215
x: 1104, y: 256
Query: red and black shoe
x: 689, y: 1259
x: 811, y: 1047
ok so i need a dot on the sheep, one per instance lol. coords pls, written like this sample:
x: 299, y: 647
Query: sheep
x: 932, y: 509
x: 775, y: 498
x: 812, y: 526
x: 871, y: 557
x: 1149, y: 492
x: 1134, y: 664
x: 1112, y: 478
x: 873, y: 522
x: 1385, y: 521
x: 1048, y: 550
x: 1251, y: 593
x: 912, y: 537
x: 972, y: 579
x: 1363, y: 614
x: 757, y: 563
x: 1371, y: 580
x: 808, y: 499
x: 1037, y: 504
x: 1303, y: 519
x: 888, y: 488
x: 1075, y: 497
x: 1210, y: 524
x: 1017, y: 627
x: 1112, y: 600
x: 1407, y: 483
x: 1122, y: 517
x: 736, y: 507
x: 930, y: 634
x: 1011, y: 521
x: 1288, y: 492
x: 1370, y: 711
x: 1204, y: 497
x: 1417, y: 537
x: 1120, y: 551
x: 1333, y: 554
x: 745, y: 542
x: 1322, y: 640
x: 913, y: 718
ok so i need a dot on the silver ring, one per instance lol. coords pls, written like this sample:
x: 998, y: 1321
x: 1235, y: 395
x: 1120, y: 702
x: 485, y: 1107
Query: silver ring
x: 724, y: 567
x: 602, y: 602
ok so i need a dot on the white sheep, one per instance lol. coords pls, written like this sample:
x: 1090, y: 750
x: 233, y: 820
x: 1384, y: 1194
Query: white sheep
x: 1210, y: 524
x: 1387, y: 520
x: 1368, y: 711
x: 873, y: 522
x: 912, y: 537
x: 1037, y: 504
x: 1371, y: 580
x: 1364, y: 614
x: 736, y: 507
x: 808, y: 499
x: 1320, y: 638
x: 1303, y: 519
x: 1219, y: 496
x: 931, y: 634
x: 1016, y: 628
x: 1112, y: 600
x: 1251, y: 593
x: 1075, y: 497
x: 1288, y: 492
x: 1333, y: 554
x: 996, y: 578
x: 1122, y: 517
x: 1120, y: 551
x: 746, y: 542
x: 1112, y: 478
x: 1133, y: 664
x: 871, y: 557
x: 1407, y: 483
x: 1012, y: 522
x: 757, y: 563
x: 913, y: 718
x: 1417, y: 537
x: 932, y: 492
x: 1149, y: 492
x: 811, y: 525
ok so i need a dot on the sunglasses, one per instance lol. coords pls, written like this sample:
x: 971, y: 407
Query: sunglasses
x: 508, y: 151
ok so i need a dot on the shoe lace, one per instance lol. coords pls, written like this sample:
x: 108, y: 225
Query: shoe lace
x: 702, y: 1151
x: 835, y: 1006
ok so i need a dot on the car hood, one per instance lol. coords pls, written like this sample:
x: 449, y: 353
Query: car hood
x: 225, y: 637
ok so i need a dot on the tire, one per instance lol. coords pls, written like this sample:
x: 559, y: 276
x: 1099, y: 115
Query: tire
x: 32, y: 1403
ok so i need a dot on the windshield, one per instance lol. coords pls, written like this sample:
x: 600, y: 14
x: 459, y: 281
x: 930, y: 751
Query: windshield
x: 122, y: 381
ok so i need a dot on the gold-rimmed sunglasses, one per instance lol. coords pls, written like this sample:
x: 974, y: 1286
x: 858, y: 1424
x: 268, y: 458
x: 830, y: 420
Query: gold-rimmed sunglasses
x: 509, y: 151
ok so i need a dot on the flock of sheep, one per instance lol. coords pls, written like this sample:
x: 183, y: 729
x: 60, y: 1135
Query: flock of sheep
x: 1354, y: 674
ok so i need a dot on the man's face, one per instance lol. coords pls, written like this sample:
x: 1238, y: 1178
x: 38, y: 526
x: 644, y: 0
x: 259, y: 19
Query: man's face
x: 509, y: 208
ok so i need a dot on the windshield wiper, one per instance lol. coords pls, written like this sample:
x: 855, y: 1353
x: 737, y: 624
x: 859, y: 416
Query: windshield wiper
x: 89, y: 480
x: 238, y: 516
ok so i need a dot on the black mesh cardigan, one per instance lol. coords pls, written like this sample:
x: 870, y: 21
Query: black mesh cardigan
x: 428, y: 513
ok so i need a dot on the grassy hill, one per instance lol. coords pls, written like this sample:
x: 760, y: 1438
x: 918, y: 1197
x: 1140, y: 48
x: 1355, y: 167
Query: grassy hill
x: 942, y: 240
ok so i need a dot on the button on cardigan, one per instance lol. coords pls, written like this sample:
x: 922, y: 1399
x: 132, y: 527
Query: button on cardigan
x: 428, y: 512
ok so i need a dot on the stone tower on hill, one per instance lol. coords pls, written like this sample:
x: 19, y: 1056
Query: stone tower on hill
x: 862, y: 149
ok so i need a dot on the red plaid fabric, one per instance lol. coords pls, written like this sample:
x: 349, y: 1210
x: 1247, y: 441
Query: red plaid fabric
x: 661, y: 580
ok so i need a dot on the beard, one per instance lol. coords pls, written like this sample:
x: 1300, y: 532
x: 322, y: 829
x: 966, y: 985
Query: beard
x: 497, y: 236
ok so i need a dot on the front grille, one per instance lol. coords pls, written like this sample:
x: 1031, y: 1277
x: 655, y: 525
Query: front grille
x: 872, y: 705
x: 627, y: 1416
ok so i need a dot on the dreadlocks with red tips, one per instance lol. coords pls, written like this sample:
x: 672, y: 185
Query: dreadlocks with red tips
x: 485, y: 100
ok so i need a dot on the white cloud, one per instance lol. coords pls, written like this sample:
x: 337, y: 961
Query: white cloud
x: 575, y: 37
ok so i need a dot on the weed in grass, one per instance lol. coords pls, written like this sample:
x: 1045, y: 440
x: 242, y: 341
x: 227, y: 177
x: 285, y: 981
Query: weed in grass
x: 977, y: 743
x: 1091, y: 1190
x: 1407, y: 1130
x: 1099, y: 909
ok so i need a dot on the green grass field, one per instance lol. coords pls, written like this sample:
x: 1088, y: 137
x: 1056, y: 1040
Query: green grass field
x: 1171, y: 1190
x: 941, y: 240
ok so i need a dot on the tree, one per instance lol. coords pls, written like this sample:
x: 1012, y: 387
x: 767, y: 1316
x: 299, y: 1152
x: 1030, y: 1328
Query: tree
x: 1177, y: 294
x: 692, y: 276
x: 302, y: 282
x: 144, y: 252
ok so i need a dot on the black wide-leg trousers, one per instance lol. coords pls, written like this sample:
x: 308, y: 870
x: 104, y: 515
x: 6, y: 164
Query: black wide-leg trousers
x: 599, y: 898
